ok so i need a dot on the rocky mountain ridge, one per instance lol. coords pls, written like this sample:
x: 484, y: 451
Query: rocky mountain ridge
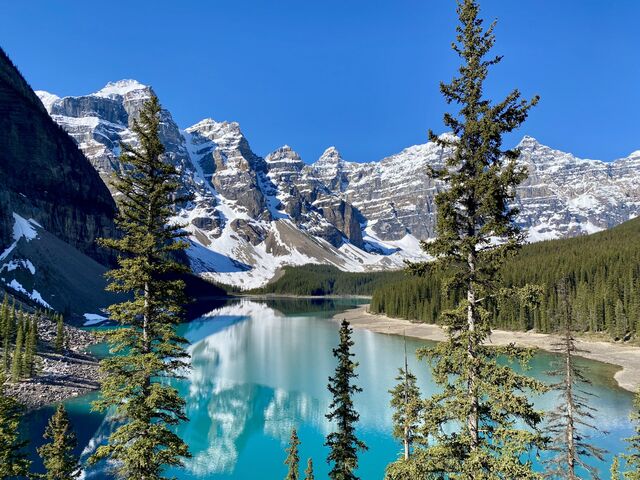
x: 53, y: 207
x: 251, y: 215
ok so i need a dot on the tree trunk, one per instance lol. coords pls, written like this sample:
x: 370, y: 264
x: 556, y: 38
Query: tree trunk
x: 570, y: 434
x: 472, y: 419
x: 406, y: 402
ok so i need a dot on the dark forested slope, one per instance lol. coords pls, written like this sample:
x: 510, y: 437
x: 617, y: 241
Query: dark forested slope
x: 44, y: 176
x: 603, y: 271
x: 327, y: 280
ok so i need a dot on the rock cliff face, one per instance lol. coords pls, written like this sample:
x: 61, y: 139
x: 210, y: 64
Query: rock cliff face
x: 250, y: 215
x: 43, y: 175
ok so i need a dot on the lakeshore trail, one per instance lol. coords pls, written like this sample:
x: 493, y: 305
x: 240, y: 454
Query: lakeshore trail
x: 625, y: 356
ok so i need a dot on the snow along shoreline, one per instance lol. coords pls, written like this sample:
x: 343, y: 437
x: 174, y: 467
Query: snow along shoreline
x: 624, y: 356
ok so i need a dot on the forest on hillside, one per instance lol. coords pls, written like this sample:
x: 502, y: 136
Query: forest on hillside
x: 602, y: 271
x: 319, y: 280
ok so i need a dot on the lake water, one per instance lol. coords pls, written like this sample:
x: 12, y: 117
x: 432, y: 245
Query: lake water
x: 260, y: 368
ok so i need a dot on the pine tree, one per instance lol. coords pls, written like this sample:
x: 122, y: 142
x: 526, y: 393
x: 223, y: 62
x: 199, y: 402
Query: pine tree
x: 492, y: 423
x: 16, y: 360
x: 9, y: 328
x: 147, y: 347
x: 13, y: 460
x: 57, y: 455
x: 31, y: 346
x: 293, y: 460
x: 308, y: 473
x: 407, y: 406
x: 632, y: 457
x: 568, y: 422
x: 6, y: 356
x: 4, y: 315
x: 615, y: 468
x: 59, y: 340
x: 343, y: 442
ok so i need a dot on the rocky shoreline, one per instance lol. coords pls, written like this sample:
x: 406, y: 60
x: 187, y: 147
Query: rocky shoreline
x: 72, y: 373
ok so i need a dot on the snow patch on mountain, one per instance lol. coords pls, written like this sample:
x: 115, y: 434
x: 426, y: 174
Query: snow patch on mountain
x: 22, y: 228
x: 47, y: 98
x: 250, y: 216
x: 33, y: 295
x: 120, y: 88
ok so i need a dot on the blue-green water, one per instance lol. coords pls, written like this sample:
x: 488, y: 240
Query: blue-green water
x: 261, y: 367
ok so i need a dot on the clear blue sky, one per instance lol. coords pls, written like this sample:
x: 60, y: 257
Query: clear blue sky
x: 358, y: 74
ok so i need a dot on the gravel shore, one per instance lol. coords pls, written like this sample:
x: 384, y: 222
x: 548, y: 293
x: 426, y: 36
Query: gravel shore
x: 625, y: 356
x: 60, y: 376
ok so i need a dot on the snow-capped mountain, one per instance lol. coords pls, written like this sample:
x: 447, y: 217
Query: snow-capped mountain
x: 251, y: 215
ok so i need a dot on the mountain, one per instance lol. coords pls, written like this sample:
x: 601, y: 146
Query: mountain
x: 53, y: 206
x: 252, y: 215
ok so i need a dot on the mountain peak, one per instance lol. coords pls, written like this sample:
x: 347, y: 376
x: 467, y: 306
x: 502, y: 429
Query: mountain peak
x: 120, y: 88
x: 529, y: 142
x: 330, y: 155
x: 212, y: 128
x: 285, y: 152
x: 205, y: 122
x: 47, y: 99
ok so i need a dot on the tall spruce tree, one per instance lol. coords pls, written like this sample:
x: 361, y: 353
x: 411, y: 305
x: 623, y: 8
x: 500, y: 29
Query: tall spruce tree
x: 408, y: 410
x: 407, y: 406
x: 308, y: 473
x: 632, y: 457
x: 491, y: 423
x: 293, y: 459
x: 570, y: 421
x: 147, y: 349
x: 31, y: 348
x: 4, y: 315
x: 58, y: 455
x: 59, y: 340
x: 7, y: 337
x: 343, y: 442
x: 13, y: 459
x: 16, y: 359
x: 615, y: 468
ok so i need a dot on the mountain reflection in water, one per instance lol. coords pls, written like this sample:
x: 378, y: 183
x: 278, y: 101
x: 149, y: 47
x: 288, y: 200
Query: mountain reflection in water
x: 257, y: 372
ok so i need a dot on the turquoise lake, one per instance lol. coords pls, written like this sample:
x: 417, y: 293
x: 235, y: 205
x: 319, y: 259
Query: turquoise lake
x: 260, y: 368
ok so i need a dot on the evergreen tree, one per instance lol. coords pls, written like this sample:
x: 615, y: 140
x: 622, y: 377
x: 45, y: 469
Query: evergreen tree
x: 8, y: 327
x: 632, y: 457
x: 308, y: 473
x: 31, y: 347
x: 6, y: 356
x: 491, y: 422
x: 615, y: 468
x: 293, y: 460
x: 417, y: 466
x: 4, y: 315
x: 59, y: 340
x: 13, y: 460
x: 407, y: 406
x: 573, y: 415
x: 16, y: 360
x: 57, y: 455
x: 147, y: 347
x: 343, y: 442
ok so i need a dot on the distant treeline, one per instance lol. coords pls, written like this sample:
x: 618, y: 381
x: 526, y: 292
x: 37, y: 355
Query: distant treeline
x: 603, y: 272
x: 328, y: 280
